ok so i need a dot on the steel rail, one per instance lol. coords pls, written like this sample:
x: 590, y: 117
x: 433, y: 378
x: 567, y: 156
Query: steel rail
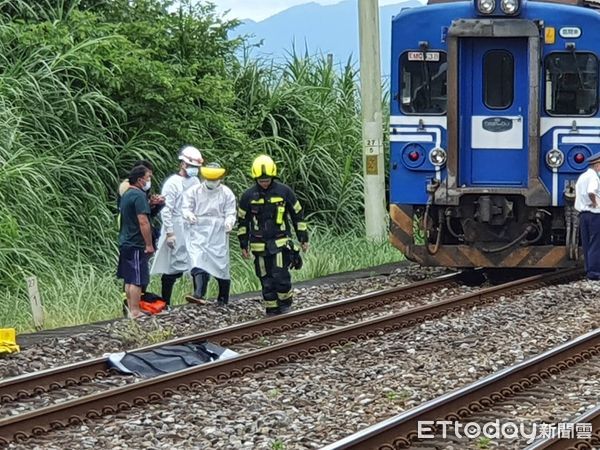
x: 401, y: 430
x: 556, y: 443
x: 37, y: 383
x: 138, y: 394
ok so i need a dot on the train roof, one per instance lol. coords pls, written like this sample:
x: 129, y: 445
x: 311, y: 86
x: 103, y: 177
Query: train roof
x: 588, y: 3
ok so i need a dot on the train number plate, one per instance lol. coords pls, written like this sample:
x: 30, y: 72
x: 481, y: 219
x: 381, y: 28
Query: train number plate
x: 420, y: 56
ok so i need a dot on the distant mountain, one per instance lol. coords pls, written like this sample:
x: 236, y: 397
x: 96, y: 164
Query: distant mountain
x: 320, y: 29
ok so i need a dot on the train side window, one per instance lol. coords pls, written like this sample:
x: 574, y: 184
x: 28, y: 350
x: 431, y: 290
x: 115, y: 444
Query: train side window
x: 571, y: 81
x: 498, y: 79
x: 423, y: 83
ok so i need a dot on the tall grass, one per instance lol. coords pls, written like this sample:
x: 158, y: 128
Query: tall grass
x: 305, y: 113
x: 60, y: 141
x: 87, y: 294
x: 66, y: 139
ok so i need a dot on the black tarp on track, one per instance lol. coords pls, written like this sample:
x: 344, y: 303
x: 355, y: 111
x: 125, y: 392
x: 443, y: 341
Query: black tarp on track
x: 167, y: 359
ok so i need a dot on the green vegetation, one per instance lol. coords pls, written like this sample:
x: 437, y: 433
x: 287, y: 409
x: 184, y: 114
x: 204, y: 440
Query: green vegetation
x: 484, y: 442
x: 134, y: 334
x: 274, y: 393
x: 93, y: 294
x: 278, y: 444
x: 394, y: 396
x: 88, y: 86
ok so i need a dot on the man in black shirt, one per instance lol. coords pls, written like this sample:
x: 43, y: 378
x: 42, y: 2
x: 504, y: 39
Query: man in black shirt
x: 135, y: 238
x: 264, y: 215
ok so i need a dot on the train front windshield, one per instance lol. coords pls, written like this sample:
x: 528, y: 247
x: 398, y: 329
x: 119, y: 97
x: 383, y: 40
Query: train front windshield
x: 423, y: 83
x: 571, y: 84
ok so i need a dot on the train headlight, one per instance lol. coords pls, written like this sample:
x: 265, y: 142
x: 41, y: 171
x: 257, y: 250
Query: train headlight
x: 509, y: 6
x: 438, y: 156
x: 486, y: 6
x: 555, y: 158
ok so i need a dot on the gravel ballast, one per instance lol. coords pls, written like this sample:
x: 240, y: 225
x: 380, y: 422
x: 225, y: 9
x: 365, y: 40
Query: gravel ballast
x: 120, y: 335
x: 321, y: 399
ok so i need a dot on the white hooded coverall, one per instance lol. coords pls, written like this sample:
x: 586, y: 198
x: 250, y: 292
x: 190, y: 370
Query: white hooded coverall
x: 173, y: 260
x: 214, y: 212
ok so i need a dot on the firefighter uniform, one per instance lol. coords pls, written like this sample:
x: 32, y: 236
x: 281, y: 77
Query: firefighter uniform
x: 266, y: 217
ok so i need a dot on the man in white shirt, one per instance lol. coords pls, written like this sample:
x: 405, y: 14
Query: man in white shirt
x: 587, y: 202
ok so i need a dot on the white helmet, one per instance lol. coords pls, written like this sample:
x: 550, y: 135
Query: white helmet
x: 191, y: 155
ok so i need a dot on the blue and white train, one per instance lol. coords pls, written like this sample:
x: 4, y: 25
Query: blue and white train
x: 494, y: 110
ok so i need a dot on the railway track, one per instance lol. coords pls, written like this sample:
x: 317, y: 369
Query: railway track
x: 496, y: 397
x: 122, y: 398
x: 34, y: 384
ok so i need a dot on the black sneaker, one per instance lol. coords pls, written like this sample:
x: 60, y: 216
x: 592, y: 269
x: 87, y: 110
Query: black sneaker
x: 221, y: 302
x: 284, y: 309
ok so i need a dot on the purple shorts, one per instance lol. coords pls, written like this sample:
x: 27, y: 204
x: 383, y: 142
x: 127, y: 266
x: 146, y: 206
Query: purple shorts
x: 133, y: 266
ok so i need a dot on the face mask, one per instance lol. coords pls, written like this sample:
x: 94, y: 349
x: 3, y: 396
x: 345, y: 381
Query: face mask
x: 192, y: 171
x: 212, y: 184
x: 147, y: 185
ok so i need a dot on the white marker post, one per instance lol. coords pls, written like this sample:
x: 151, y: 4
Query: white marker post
x: 36, y: 302
x: 372, y: 129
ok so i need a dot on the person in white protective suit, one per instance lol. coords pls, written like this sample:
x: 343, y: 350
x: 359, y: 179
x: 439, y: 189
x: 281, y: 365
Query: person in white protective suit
x: 210, y: 208
x: 171, y: 259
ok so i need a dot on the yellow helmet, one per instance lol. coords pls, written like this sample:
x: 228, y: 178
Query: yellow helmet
x: 263, y: 167
x: 212, y: 171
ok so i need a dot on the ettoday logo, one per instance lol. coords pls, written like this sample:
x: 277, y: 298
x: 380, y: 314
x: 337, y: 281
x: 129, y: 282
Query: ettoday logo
x: 430, y: 429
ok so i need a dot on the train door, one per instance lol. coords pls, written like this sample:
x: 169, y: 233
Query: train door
x: 493, y: 107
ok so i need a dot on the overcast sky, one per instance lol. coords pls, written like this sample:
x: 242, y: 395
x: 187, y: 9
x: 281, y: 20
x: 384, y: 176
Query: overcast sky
x: 261, y: 9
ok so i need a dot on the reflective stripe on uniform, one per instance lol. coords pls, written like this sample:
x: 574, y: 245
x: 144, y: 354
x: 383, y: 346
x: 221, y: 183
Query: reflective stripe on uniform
x: 275, y: 199
x: 281, y: 242
x: 280, y: 213
x: 297, y: 207
x: 241, y: 213
x: 257, y: 246
x: 261, y: 266
x: 242, y: 231
x: 284, y: 295
x: 279, y: 259
x: 302, y: 226
x: 260, y: 201
x: 271, y: 304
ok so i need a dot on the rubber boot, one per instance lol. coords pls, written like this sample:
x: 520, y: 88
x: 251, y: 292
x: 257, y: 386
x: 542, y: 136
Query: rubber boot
x: 201, y: 285
x: 167, y: 283
x: 224, y: 286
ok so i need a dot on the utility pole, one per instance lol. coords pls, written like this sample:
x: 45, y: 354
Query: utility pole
x: 372, y: 132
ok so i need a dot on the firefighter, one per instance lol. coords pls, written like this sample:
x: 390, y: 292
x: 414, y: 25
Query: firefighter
x: 264, y: 215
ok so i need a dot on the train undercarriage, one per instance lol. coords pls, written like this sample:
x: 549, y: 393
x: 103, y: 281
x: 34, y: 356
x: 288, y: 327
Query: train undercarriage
x: 487, y: 231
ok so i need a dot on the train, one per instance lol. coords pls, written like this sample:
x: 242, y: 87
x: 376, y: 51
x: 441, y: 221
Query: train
x: 493, y: 113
